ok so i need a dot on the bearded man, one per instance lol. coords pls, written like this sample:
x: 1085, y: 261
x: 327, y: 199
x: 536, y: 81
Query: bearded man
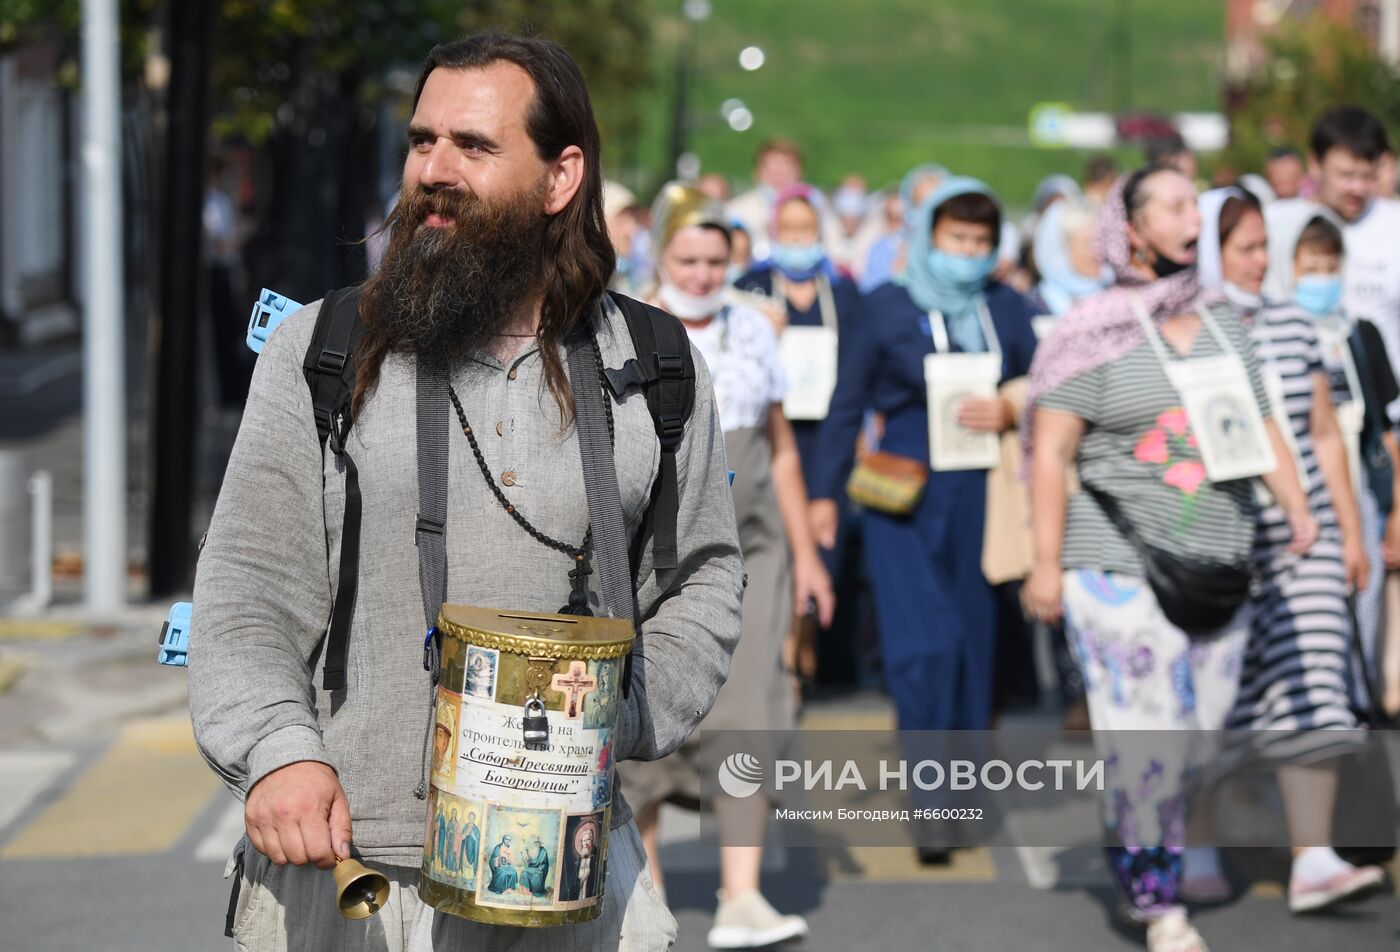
x: 496, y: 254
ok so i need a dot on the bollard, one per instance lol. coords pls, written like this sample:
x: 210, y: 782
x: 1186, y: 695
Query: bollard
x: 41, y: 536
x: 14, y: 526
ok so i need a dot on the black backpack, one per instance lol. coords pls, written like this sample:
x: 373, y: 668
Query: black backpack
x: 664, y: 370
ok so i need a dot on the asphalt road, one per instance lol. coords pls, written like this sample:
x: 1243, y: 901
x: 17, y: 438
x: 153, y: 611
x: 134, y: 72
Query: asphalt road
x: 113, y: 836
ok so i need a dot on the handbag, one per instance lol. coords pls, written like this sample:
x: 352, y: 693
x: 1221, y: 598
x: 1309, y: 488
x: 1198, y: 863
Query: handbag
x: 888, y: 483
x: 1198, y: 597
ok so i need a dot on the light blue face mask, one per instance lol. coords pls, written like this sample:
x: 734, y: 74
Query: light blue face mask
x: 965, y: 272
x: 1319, y: 294
x: 797, y: 259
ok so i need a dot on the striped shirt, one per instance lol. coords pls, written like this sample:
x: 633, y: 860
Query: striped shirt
x: 1138, y: 449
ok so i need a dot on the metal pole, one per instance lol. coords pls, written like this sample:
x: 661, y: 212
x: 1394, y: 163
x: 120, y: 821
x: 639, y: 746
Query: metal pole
x: 104, y: 393
x: 172, y: 544
x: 680, y: 97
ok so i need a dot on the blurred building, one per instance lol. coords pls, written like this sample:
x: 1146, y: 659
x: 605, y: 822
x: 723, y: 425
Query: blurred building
x: 38, y: 196
x: 1248, y: 21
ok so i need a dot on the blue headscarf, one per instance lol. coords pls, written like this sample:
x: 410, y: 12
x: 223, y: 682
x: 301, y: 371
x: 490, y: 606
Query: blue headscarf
x: 959, y: 297
x: 911, y: 180
x: 1061, y: 285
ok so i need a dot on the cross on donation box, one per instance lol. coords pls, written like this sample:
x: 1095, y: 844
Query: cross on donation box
x: 575, y: 686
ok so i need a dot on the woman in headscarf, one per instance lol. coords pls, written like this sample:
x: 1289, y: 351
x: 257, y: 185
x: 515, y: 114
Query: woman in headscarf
x: 1293, y: 698
x: 935, y: 610
x: 1064, y: 256
x: 817, y: 309
x: 740, y: 350
x: 888, y: 254
x: 1103, y: 398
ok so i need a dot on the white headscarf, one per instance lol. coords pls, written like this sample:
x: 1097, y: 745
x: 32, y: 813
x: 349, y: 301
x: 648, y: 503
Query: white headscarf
x: 1208, y: 261
x: 1209, y: 249
x: 1283, y: 239
x: 1286, y: 220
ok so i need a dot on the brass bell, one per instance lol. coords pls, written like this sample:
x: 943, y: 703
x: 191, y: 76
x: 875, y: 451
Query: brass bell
x: 360, y: 892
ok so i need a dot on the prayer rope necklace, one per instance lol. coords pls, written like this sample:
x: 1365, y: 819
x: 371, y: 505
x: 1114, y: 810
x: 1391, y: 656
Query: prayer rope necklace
x: 581, y: 554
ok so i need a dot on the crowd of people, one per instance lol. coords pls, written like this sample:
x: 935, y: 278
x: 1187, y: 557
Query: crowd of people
x: 1156, y: 417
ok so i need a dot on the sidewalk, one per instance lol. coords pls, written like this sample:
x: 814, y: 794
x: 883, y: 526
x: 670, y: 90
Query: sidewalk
x: 63, y: 676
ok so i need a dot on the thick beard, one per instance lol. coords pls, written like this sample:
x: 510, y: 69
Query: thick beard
x: 447, y: 293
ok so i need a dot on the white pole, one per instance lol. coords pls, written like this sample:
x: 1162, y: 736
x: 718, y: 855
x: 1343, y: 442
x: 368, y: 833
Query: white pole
x: 41, y: 509
x: 104, y: 404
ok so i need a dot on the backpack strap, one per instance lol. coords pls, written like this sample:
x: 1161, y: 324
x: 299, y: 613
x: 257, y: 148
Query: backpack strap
x: 329, y: 369
x: 591, y: 421
x: 665, y: 371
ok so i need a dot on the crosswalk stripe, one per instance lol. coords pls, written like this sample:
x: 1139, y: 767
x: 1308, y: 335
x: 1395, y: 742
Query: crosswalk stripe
x: 24, y: 775
x: 39, y: 629
x: 139, y: 797
x: 216, y: 847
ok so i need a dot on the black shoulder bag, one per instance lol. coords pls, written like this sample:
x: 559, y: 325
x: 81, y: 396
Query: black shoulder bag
x: 1198, y: 597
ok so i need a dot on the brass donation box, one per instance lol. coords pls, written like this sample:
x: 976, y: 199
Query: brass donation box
x: 522, y: 765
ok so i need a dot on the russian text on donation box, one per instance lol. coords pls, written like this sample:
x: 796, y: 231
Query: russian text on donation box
x: 522, y: 781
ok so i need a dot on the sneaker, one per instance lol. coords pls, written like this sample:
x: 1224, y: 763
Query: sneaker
x: 749, y: 922
x: 1313, y: 897
x: 1174, y: 933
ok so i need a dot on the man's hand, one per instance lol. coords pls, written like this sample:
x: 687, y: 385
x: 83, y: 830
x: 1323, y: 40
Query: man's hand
x: 298, y: 814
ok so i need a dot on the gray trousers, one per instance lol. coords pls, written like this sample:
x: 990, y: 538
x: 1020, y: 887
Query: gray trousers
x: 292, y: 909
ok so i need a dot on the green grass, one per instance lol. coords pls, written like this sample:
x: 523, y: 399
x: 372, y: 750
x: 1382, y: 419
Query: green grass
x: 878, y: 86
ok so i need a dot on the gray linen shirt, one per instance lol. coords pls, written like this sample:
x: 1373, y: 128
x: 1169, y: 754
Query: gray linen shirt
x: 267, y: 574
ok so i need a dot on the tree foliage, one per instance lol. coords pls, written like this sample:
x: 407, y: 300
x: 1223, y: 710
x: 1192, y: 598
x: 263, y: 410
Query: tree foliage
x: 57, y: 22
x: 276, y: 62
x: 1312, y: 64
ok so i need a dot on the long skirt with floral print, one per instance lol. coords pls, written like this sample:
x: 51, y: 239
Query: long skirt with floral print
x: 1142, y: 673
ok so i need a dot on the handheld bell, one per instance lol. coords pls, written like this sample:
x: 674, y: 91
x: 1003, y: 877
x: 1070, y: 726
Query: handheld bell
x: 360, y: 892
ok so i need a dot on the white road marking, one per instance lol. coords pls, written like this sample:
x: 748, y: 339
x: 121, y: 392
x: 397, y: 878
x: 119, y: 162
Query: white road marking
x: 219, y: 843
x: 24, y: 775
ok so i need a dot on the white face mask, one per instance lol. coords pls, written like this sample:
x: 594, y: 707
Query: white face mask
x: 1242, y: 299
x: 689, y: 307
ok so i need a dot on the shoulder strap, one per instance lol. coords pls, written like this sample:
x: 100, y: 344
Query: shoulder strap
x: 429, y: 535
x: 328, y: 366
x: 600, y: 479
x: 1366, y: 379
x: 665, y: 370
x: 330, y: 374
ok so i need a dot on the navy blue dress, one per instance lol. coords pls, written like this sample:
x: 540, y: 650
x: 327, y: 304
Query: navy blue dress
x: 807, y: 433
x: 847, y: 299
x: 935, y: 610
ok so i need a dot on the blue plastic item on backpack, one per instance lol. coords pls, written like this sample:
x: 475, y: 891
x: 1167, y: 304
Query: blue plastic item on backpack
x: 175, y: 636
x: 269, y: 311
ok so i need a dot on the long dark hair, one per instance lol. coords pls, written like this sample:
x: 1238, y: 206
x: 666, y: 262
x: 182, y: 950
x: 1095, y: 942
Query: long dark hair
x: 577, y: 257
